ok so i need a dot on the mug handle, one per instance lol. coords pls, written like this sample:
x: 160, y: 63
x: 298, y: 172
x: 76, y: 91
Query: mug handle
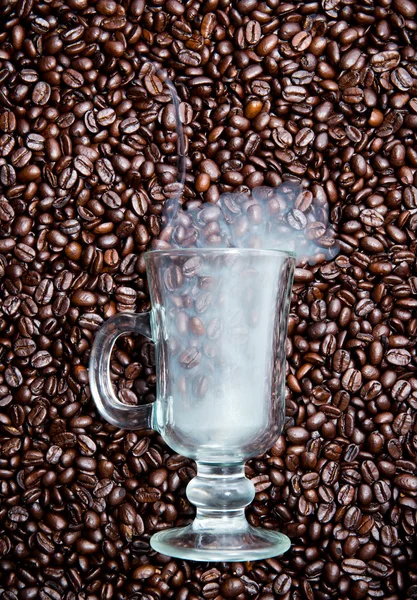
x: 109, y: 406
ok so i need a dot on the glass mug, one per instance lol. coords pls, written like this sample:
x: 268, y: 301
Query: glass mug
x: 219, y: 323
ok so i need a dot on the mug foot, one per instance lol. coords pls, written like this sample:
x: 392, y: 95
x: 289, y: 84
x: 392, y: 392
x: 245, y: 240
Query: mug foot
x: 220, y: 545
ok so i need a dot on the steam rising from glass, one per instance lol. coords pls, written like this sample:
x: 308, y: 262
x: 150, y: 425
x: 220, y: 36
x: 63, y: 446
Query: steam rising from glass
x: 286, y: 217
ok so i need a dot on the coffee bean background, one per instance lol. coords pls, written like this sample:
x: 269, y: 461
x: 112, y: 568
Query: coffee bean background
x: 322, y: 92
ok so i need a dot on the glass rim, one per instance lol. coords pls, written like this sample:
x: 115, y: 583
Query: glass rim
x: 259, y: 251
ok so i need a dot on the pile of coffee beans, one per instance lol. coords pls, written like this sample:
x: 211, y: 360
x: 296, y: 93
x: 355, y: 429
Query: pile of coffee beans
x: 320, y: 92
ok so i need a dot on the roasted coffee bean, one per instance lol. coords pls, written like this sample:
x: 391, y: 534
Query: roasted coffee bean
x: 72, y: 78
x: 24, y: 347
x: 203, y: 301
x: 200, y: 386
x: 282, y: 584
x: 190, y: 358
x: 154, y: 85
x: 83, y: 165
x: 232, y: 587
x: 6, y: 210
x: 18, y: 514
x: 352, y: 380
x: 191, y: 266
x: 196, y: 326
x: 353, y: 566
x: 173, y: 278
x: 398, y: 357
x: 41, y: 93
x: 111, y: 199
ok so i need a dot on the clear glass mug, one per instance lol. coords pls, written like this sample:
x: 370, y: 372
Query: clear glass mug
x: 219, y: 323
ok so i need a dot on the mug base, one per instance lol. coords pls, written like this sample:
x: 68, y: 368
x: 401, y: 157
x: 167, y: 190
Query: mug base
x: 226, y: 546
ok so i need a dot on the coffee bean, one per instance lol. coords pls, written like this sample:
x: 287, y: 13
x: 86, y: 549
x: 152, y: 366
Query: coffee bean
x: 190, y: 358
x: 105, y: 170
x: 41, y: 93
x: 191, y: 266
x: 407, y: 483
x: 353, y: 566
x: 385, y: 61
x: 53, y: 455
x: 6, y: 211
x: 210, y: 168
x: 24, y: 253
x: 105, y: 117
x: 398, y: 357
x: 41, y: 359
x: 173, y: 278
x: 7, y: 177
x: 253, y: 32
x: 153, y: 84
x: 303, y: 138
x: 85, y: 547
x: 203, y: 302
x: 214, y: 328
x: 197, y: 326
x: 8, y: 121
x: 326, y: 512
x: 297, y: 434
x: 352, y: 380
x: 282, y: 584
x: 405, y: 8
x: 24, y: 347
x: 296, y: 219
x: 103, y: 488
x: 13, y: 376
x: 18, y: 514
x: 200, y: 386
x: 72, y: 78
x: 267, y: 44
x: 83, y: 165
x: 301, y: 41
x: 83, y: 298
x: 232, y: 587
x: 294, y: 93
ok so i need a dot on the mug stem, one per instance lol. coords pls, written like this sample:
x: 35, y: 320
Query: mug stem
x: 220, y: 492
x: 220, y: 531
